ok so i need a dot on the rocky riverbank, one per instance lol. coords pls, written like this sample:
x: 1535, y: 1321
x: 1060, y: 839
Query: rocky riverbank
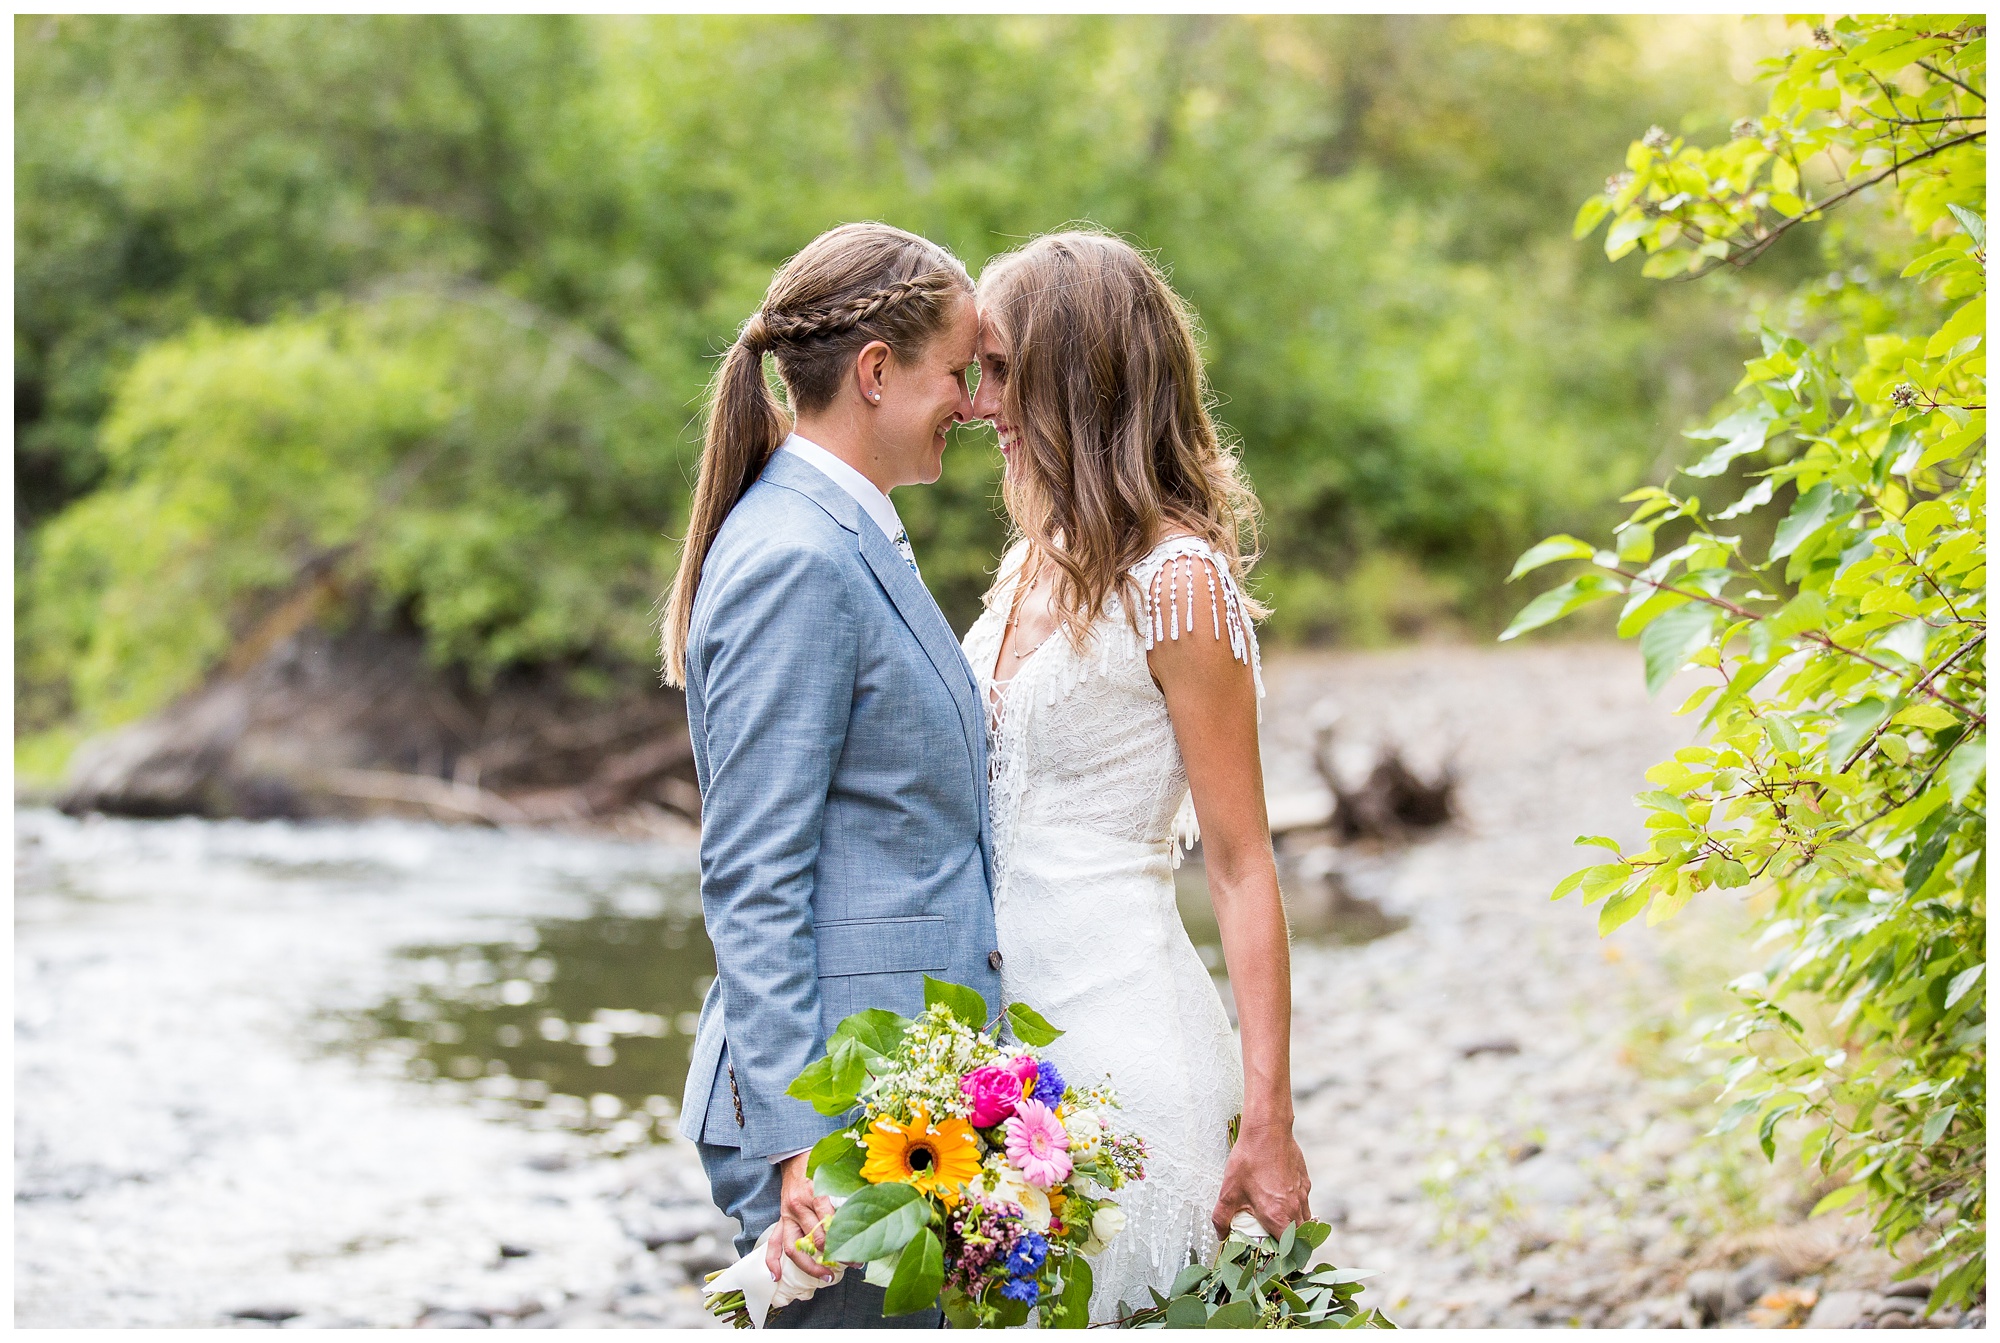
x: 1492, y: 1100
x: 1496, y: 1102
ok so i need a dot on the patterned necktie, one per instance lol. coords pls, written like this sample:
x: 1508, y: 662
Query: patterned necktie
x: 902, y: 545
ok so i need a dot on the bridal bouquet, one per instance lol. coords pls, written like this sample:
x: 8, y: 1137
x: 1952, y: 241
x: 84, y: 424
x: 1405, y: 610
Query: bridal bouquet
x: 975, y: 1169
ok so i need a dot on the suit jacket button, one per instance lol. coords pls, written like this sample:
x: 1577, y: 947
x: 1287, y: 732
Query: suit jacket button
x: 993, y: 959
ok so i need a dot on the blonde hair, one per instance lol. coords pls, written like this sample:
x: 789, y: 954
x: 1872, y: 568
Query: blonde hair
x: 849, y: 286
x: 1106, y: 391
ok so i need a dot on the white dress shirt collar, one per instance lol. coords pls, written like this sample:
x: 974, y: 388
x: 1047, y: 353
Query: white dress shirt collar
x: 873, y: 502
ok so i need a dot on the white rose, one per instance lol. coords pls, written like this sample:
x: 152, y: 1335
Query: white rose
x: 1109, y: 1221
x: 1085, y: 1130
x: 1008, y: 1185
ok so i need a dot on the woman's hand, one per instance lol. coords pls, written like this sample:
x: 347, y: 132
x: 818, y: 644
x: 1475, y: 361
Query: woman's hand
x: 1267, y: 1175
x: 801, y: 1212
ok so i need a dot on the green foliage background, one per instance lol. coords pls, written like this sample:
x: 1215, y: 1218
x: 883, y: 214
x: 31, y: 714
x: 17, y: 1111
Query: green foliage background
x: 1840, y: 781
x: 428, y: 303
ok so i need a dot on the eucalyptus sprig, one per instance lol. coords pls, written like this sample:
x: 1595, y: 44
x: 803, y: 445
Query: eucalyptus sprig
x: 1261, y: 1282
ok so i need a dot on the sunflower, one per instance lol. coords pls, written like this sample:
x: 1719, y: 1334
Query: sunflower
x: 936, y: 1158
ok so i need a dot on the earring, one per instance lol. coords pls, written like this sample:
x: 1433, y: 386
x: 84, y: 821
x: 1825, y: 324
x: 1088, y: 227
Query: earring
x: 876, y: 396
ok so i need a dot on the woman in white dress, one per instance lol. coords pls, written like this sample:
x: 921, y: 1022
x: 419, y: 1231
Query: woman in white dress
x: 1121, y: 675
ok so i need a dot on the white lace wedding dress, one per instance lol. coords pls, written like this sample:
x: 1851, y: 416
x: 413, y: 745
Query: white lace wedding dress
x: 1090, y: 811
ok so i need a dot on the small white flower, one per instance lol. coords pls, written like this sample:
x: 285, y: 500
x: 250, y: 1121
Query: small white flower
x: 1085, y: 1131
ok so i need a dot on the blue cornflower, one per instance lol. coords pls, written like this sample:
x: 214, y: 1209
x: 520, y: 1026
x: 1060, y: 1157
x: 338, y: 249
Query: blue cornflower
x: 1049, y: 1084
x: 1021, y: 1289
x: 1027, y: 1255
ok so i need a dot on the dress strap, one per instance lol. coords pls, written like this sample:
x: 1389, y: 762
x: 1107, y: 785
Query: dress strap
x: 1167, y: 579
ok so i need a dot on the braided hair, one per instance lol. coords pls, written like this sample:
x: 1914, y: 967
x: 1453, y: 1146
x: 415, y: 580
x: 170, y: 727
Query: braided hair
x: 851, y: 285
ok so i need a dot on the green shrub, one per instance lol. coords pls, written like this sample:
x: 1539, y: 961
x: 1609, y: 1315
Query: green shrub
x: 416, y: 449
x: 1844, y: 758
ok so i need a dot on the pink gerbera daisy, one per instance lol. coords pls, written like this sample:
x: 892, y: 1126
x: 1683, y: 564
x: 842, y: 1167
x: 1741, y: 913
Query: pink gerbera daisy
x: 1037, y: 1144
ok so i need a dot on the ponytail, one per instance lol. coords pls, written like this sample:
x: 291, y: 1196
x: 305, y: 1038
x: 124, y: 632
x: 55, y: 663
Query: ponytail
x: 745, y: 426
x: 849, y: 286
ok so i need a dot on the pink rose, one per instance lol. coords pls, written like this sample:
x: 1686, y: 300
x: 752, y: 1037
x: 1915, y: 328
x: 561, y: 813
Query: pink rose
x: 994, y: 1092
x: 1027, y: 1070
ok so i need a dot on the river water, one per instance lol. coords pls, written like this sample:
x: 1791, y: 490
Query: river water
x: 272, y: 1069
x: 222, y: 1031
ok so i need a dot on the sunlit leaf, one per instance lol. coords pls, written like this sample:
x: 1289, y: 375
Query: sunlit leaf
x: 1809, y: 512
x: 1548, y: 552
x: 1556, y: 603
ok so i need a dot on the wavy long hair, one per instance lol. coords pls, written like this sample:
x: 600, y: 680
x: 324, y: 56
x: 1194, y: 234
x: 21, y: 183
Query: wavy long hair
x: 1116, y: 446
x: 849, y: 286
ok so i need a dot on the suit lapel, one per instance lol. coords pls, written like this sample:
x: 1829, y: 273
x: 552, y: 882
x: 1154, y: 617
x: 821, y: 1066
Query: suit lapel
x: 920, y: 612
x: 913, y: 601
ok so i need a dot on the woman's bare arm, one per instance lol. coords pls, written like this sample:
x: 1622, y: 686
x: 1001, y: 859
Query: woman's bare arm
x: 1212, y: 700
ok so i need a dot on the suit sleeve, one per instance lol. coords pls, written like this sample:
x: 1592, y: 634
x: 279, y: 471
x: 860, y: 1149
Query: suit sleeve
x: 779, y: 655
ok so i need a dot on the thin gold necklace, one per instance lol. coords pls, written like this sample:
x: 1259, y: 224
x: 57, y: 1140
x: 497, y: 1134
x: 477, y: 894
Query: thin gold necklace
x: 1014, y: 617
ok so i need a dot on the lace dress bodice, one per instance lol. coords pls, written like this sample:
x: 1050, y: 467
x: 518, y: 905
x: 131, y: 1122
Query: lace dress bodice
x: 1090, y: 813
x: 1088, y: 727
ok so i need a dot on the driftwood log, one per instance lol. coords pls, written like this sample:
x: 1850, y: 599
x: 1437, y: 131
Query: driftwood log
x: 1391, y: 802
x: 360, y: 723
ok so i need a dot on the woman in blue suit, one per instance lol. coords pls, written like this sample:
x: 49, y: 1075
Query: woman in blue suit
x: 838, y: 736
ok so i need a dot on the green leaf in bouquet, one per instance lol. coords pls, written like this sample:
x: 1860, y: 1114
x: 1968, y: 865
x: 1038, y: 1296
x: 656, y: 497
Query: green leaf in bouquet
x: 832, y: 1083
x: 1009, y: 1313
x: 835, y: 1147
x: 1030, y: 1026
x: 1187, y: 1312
x: 1187, y: 1280
x: 1072, y: 1307
x: 1235, y: 1315
x: 835, y: 1165
x: 964, y: 1003
x: 878, y: 1221
x: 1338, y: 1277
x: 876, y: 1030
x: 919, y: 1275
x: 1314, y: 1233
x: 958, y: 1311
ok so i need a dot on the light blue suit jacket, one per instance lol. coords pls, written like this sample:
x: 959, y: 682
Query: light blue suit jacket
x: 845, y: 844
